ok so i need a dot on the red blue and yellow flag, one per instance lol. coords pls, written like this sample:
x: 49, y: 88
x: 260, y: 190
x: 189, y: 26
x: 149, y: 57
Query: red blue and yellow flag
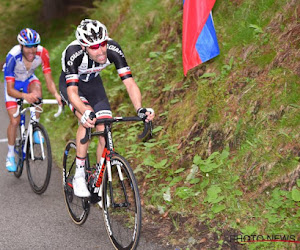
x: 199, y: 40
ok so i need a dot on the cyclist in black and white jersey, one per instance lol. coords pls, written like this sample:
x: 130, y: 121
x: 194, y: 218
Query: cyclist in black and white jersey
x: 82, y: 88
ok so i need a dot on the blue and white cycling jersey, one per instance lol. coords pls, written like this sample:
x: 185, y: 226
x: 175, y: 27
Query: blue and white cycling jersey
x: 14, y: 67
x: 15, y: 71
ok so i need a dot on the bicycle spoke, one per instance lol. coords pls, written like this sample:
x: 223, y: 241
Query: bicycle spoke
x: 122, y: 212
x: 39, y: 160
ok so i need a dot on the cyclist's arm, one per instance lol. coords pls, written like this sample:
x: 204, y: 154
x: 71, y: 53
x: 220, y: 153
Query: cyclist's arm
x: 51, y: 87
x: 11, y: 91
x: 116, y: 55
x: 133, y: 92
x: 47, y: 73
x: 9, y: 76
x: 135, y: 96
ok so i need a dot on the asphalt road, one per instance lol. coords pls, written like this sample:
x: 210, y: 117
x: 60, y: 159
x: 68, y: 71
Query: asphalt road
x: 31, y: 221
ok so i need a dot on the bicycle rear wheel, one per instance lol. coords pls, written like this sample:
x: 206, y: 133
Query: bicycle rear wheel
x: 19, y: 154
x: 121, y: 205
x: 78, y: 208
x: 39, y: 168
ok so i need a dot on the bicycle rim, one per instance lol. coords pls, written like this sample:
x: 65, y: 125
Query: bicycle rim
x: 39, y: 168
x: 18, y: 154
x: 123, y: 216
x: 78, y: 208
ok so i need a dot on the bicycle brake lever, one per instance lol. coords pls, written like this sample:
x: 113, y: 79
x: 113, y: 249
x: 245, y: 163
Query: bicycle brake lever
x: 39, y: 101
x: 151, y: 128
x: 86, y: 137
x: 88, y: 130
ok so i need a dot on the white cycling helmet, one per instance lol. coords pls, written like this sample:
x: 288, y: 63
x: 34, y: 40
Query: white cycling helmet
x: 90, y: 32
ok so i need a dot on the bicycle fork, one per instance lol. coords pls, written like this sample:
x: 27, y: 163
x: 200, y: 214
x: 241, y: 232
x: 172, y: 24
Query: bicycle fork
x: 26, y: 135
x: 105, y: 162
x: 29, y: 135
x: 22, y: 135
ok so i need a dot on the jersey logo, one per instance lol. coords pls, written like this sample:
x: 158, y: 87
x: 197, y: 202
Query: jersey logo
x: 116, y: 49
x: 73, y: 57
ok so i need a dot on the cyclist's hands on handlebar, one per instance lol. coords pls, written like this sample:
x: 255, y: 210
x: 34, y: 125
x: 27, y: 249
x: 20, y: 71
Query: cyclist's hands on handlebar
x: 30, y: 97
x: 88, y: 119
x: 58, y: 98
x: 146, y: 113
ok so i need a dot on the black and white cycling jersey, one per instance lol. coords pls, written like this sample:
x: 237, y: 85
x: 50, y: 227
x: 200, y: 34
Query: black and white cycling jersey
x: 77, y: 65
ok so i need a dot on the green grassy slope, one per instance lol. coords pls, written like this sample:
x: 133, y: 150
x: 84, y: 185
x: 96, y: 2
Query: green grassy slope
x: 224, y: 158
x: 15, y: 16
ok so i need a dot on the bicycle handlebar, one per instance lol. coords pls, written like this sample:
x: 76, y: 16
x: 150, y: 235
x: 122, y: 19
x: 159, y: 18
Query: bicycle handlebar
x: 53, y: 101
x: 147, y: 126
x: 44, y: 101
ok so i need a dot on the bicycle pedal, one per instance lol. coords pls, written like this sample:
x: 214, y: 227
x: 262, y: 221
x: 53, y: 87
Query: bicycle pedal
x: 95, y: 198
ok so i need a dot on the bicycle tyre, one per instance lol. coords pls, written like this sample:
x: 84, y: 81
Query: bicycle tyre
x: 19, y: 153
x: 39, y: 169
x: 78, y: 208
x: 122, y: 220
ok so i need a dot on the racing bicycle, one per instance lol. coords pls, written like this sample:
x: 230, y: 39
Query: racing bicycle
x: 112, y: 185
x: 33, y: 145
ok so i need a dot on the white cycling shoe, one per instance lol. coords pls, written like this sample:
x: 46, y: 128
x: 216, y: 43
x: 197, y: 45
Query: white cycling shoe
x: 80, y: 188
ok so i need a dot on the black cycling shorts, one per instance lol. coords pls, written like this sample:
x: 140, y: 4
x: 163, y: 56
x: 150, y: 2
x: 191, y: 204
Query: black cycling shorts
x: 91, y: 93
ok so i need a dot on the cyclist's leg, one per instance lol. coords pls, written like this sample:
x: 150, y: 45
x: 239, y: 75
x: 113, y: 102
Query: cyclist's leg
x: 101, y: 143
x: 106, y: 113
x: 81, y: 149
x: 35, y: 86
x: 79, y: 182
x: 97, y: 98
x: 11, y: 136
x: 11, y: 106
x: 12, y: 127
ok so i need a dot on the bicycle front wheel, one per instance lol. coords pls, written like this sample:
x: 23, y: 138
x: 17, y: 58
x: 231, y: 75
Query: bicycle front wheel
x: 39, y: 160
x: 121, y: 204
x: 19, y: 153
x: 78, y: 208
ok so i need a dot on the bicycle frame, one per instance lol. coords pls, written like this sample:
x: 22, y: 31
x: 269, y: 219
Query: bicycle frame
x: 105, y: 160
x: 29, y: 132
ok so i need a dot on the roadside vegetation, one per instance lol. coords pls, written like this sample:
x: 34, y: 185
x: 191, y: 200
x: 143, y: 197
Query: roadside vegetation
x: 224, y: 157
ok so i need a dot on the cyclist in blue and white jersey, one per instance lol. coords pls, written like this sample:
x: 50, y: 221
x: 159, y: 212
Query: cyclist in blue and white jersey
x: 82, y: 88
x: 21, y: 82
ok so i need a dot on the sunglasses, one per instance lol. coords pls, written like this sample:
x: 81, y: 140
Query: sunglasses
x: 31, y: 46
x: 97, y: 46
